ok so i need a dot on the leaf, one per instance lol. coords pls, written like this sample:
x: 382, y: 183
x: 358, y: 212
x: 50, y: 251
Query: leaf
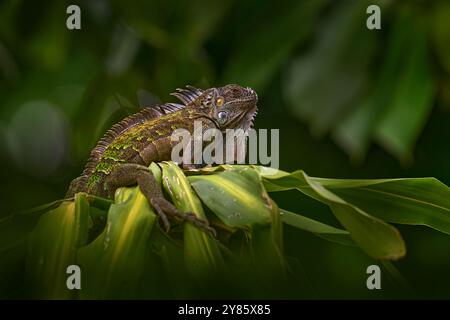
x: 404, y: 91
x: 114, y: 263
x: 354, y: 132
x: 239, y: 200
x: 53, y: 245
x: 322, y: 84
x: 16, y: 229
x: 156, y: 171
x: 30, y: 214
x: 318, y: 228
x: 236, y: 197
x: 267, y: 259
x: 36, y: 211
x: 267, y: 245
x: 396, y: 276
x: 377, y: 238
x: 415, y: 201
x: 201, y: 252
x: 412, y: 101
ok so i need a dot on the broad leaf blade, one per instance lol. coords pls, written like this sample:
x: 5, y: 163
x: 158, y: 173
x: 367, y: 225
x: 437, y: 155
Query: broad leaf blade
x: 415, y: 201
x: 236, y: 197
x: 239, y: 200
x: 412, y: 101
x: 323, y: 85
x: 377, y: 238
x: 355, y: 132
x: 114, y: 263
x: 318, y: 228
x: 202, y: 253
x: 53, y: 246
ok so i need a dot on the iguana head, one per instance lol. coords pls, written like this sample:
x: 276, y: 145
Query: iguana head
x: 230, y: 107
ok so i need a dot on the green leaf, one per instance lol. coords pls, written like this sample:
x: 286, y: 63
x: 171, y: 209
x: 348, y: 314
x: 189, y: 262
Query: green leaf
x: 201, y: 253
x: 379, y: 239
x: 266, y: 256
x: 239, y: 200
x: 404, y: 91
x: 354, y: 132
x: 236, y: 197
x: 267, y: 243
x: 53, y: 245
x: 412, y: 100
x: 318, y: 228
x: 415, y: 201
x: 114, y: 263
x: 322, y: 85
x: 156, y: 171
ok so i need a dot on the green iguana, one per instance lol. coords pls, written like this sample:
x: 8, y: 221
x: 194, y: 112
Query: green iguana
x: 121, y: 158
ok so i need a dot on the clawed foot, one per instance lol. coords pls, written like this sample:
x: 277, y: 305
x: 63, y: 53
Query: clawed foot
x: 167, y: 210
x: 129, y: 174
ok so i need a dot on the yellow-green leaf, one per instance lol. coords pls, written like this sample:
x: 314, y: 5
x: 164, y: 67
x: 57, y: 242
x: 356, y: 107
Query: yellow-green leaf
x: 235, y: 196
x: 114, y: 263
x: 53, y: 246
x: 379, y: 239
x: 202, y: 253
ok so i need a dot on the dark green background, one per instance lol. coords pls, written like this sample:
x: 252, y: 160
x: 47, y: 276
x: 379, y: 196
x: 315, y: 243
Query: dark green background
x: 61, y: 89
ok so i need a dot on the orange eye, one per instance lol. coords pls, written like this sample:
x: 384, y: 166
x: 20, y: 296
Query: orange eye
x: 219, y: 102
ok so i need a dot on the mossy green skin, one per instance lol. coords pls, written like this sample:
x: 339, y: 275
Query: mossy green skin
x: 145, y: 137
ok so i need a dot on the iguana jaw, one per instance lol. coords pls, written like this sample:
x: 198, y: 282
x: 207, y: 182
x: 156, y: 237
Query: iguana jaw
x: 248, y: 119
x: 249, y: 103
x: 251, y: 114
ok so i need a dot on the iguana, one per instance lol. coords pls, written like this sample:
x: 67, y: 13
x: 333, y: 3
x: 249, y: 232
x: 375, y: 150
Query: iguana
x: 121, y: 158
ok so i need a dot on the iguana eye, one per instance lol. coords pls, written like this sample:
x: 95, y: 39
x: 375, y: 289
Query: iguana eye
x: 222, y: 117
x: 219, y: 102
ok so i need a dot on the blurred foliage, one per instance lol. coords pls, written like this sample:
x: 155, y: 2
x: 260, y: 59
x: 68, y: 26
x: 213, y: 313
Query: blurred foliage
x: 359, y: 101
x: 318, y: 72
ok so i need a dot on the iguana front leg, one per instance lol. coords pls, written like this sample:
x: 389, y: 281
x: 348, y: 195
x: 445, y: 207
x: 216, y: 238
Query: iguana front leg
x: 129, y: 174
x: 76, y: 185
